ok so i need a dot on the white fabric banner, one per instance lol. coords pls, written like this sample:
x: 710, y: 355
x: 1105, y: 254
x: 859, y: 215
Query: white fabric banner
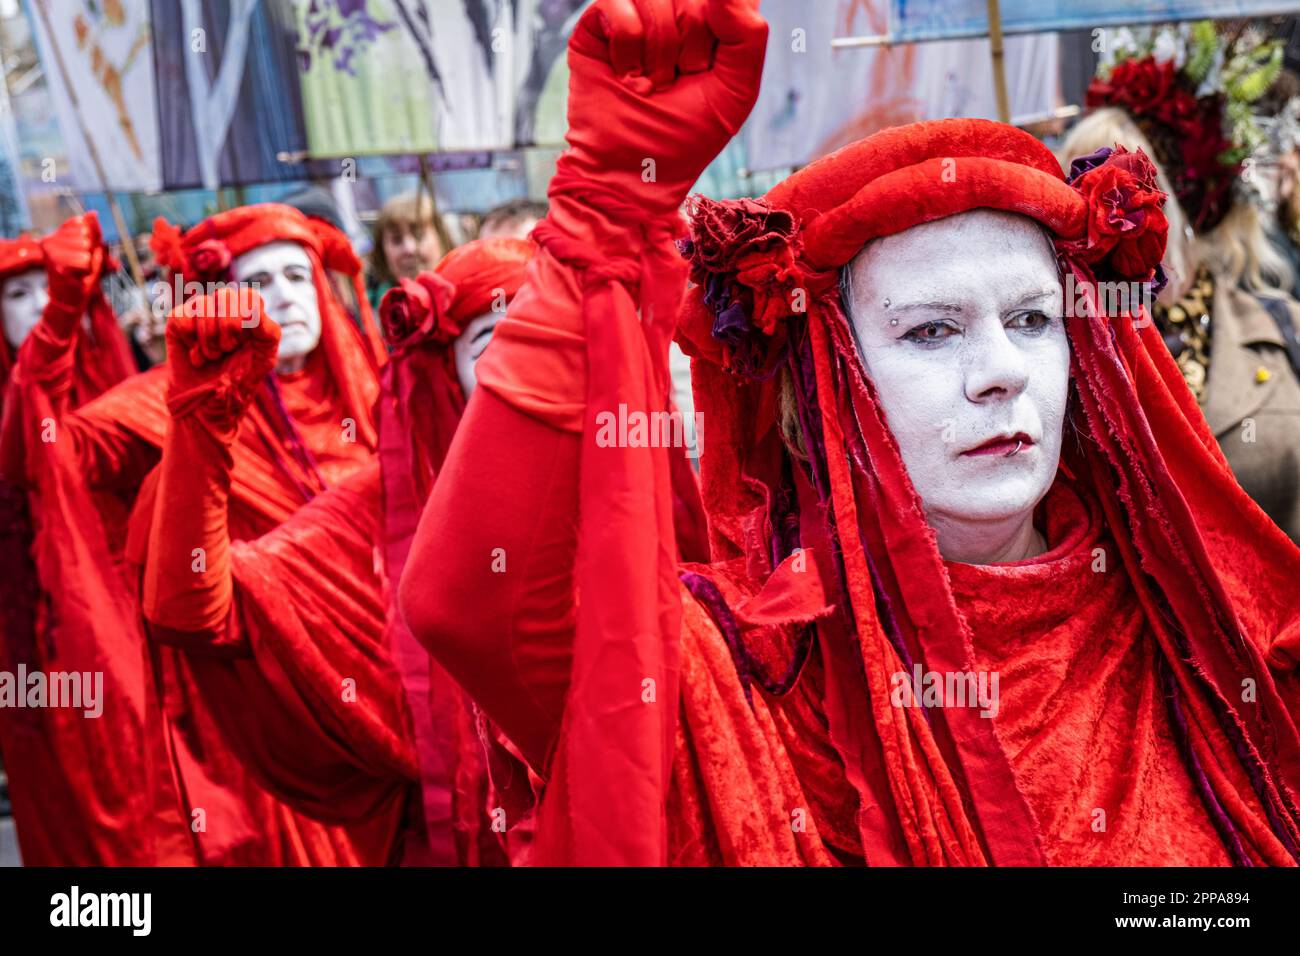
x: 106, y: 51
x: 816, y: 98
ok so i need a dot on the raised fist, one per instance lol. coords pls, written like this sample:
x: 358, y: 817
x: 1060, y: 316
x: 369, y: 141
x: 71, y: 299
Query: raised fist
x: 74, y: 262
x: 220, y: 348
x: 656, y: 90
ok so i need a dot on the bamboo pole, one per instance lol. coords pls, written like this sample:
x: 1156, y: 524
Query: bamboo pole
x: 999, y: 62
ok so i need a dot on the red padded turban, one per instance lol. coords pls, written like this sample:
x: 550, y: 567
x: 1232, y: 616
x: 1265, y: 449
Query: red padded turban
x: 19, y: 255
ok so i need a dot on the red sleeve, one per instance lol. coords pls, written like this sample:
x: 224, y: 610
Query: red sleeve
x: 489, y: 590
x: 318, y: 711
x: 115, y: 438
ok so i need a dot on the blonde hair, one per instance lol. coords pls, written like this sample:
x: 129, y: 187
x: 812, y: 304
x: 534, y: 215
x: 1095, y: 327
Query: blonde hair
x: 1237, y: 250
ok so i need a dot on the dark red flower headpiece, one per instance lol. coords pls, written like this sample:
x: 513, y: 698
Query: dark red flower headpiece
x: 1186, y: 132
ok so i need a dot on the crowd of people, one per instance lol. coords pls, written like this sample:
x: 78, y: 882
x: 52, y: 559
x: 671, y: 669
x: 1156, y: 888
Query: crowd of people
x: 980, y: 564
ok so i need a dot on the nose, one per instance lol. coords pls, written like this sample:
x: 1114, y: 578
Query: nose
x: 276, y: 294
x: 42, y: 298
x: 996, y: 368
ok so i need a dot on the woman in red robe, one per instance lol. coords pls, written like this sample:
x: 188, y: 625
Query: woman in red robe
x: 77, y: 782
x: 1125, y: 615
x: 308, y: 427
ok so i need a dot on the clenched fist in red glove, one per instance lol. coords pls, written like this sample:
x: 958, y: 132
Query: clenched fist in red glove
x: 74, y: 262
x: 220, y: 348
x: 656, y: 89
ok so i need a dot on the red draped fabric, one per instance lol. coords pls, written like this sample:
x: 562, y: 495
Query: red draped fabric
x: 77, y: 794
x: 341, y: 713
x: 204, y: 805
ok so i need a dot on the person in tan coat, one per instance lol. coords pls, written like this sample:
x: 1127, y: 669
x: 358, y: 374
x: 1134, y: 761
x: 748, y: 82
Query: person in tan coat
x: 1225, y: 310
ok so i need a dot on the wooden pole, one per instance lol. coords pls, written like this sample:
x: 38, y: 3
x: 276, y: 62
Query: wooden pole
x: 124, y: 235
x: 999, y: 62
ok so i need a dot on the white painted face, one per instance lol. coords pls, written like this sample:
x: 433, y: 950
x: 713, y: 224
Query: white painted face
x: 283, y: 274
x: 23, y: 297
x: 469, y: 346
x: 960, y: 328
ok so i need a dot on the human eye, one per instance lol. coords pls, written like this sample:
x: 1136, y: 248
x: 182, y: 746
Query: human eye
x: 1032, y: 321
x: 931, y: 333
x: 297, y: 274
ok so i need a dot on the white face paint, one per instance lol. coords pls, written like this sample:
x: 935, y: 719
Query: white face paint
x: 469, y: 346
x: 971, y: 363
x: 283, y: 274
x: 23, y: 297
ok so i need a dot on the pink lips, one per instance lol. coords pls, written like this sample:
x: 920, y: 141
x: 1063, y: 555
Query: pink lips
x: 1002, y: 445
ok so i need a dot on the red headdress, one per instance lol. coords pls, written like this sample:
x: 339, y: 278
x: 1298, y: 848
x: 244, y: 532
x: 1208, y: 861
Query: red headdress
x: 204, y: 254
x: 1201, y: 557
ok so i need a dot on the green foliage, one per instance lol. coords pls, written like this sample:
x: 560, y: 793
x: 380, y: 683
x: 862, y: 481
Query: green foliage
x: 1249, y: 75
x: 1201, y: 48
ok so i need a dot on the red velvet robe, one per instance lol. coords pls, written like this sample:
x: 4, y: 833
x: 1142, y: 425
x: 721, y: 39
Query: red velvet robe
x: 205, y: 806
x: 77, y: 784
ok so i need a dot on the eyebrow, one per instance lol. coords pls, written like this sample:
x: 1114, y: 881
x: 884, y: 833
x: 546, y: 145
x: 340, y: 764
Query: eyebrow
x: 927, y: 307
x: 1040, y: 294
x: 951, y: 308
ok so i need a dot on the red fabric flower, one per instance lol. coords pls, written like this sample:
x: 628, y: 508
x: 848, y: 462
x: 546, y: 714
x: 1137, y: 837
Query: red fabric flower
x: 1126, y: 225
x: 1143, y: 87
x: 210, y: 258
x: 757, y: 247
x: 416, y: 309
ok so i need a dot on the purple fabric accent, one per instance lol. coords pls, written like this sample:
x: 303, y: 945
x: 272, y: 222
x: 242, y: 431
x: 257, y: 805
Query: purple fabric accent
x: 707, y: 593
x: 1160, y: 281
x: 1082, y: 164
x: 749, y: 347
x: 730, y: 324
x: 1227, y: 832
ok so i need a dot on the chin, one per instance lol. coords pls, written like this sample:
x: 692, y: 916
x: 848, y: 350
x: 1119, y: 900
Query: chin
x: 294, y: 347
x: 993, y: 499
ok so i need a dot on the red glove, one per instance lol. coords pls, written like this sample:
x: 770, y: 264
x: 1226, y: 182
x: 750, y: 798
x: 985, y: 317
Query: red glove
x: 220, y: 348
x: 667, y: 81
x: 74, y: 262
x: 656, y: 89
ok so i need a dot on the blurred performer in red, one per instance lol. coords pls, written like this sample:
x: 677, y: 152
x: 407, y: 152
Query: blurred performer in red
x: 337, y: 709
x: 76, y: 774
x: 983, y: 589
x: 308, y: 426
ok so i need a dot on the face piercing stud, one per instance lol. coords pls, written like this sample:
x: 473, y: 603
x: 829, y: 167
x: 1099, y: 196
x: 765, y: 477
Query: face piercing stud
x: 886, y: 303
x: 1019, y: 444
x: 893, y: 321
